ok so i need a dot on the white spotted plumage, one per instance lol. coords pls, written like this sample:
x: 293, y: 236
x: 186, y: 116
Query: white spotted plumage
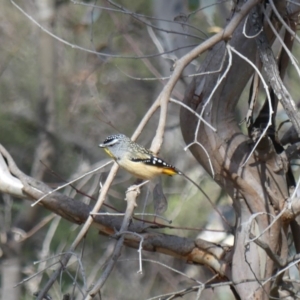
x: 136, y: 159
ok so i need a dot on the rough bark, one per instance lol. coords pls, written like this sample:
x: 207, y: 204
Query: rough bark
x: 248, y: 185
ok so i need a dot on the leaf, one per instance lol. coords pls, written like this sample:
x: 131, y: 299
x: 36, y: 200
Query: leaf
x: 159, y: 199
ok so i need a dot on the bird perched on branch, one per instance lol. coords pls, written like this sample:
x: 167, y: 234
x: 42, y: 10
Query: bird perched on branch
x: 136, y: 159
x: 142, y: 162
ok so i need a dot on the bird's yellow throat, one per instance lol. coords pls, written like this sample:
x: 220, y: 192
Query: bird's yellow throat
x: 109, y: 153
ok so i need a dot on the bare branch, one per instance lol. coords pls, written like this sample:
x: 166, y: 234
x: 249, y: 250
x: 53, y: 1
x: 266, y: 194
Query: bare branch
x: 272, y: 73
x: 8, y: 183
x: 131, y: 196
x: 78, y: 213
x: 185, y: 60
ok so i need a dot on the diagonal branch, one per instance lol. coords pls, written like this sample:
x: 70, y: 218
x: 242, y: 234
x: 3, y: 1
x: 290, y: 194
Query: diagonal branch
x: 273, y: 75
x: 180, y: 65
x: 131, y: 204
x: 196, y: 251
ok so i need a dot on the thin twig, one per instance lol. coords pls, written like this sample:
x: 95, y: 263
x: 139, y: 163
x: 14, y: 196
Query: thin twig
x: 269, y: 101
x: 73, y: 46
x: 70, y: 182
x: 290, y: 55
x: 204, y: 107
x: 193, y: 112
x: 286, y: 26
x: 131, y: 196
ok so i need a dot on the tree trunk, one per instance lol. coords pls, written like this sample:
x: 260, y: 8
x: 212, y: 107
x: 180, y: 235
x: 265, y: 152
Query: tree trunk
x: 228, y: 148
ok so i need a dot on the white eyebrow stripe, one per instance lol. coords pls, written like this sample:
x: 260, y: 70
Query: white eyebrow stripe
x: 112, y: 142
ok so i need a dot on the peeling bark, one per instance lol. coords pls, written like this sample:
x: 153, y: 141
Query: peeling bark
x: 247, y: 185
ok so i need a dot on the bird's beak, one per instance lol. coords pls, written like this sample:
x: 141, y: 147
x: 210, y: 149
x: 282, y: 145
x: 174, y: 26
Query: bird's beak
x: 107, y: 150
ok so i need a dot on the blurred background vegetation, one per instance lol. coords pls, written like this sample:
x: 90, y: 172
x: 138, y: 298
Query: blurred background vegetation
x: 71, y: 99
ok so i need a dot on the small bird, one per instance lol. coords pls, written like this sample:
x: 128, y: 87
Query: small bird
x: 137, y: 160
x: 142, y: 162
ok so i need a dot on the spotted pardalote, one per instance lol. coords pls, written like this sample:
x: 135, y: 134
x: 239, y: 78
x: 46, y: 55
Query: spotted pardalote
x: 136, y: 159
